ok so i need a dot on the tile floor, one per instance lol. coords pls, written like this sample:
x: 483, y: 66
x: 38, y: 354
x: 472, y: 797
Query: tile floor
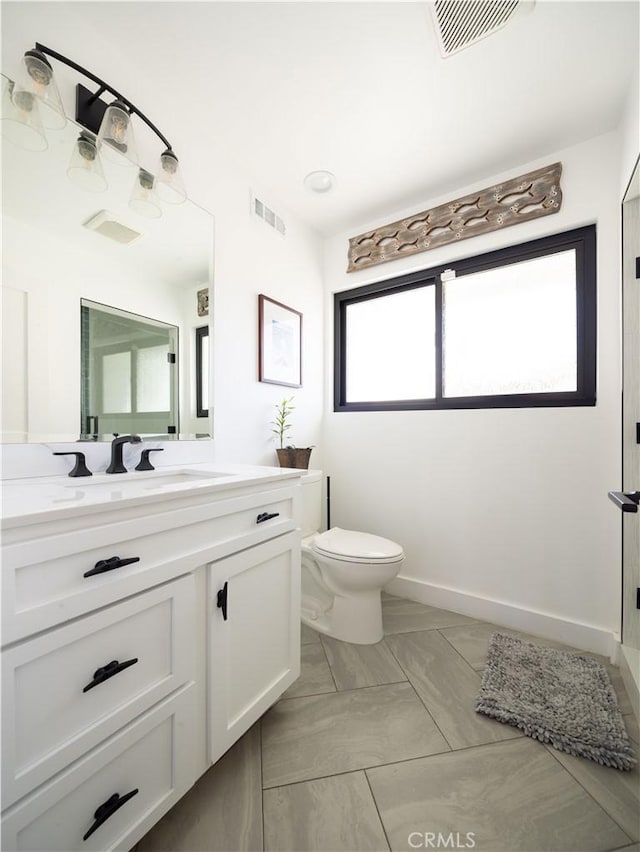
x: 378, y: 747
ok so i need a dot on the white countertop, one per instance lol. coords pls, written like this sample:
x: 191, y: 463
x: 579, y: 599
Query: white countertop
x: 33, y: 500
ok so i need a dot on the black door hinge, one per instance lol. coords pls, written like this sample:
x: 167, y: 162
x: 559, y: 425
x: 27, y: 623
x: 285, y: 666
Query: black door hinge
x: 638, y: 598
x: 171, y: 357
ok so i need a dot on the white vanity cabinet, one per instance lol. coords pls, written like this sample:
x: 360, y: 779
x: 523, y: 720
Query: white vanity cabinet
x: 140, y: 639
x: 254, y: 636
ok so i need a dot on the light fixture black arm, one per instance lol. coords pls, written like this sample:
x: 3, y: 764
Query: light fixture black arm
x: 104, y: 87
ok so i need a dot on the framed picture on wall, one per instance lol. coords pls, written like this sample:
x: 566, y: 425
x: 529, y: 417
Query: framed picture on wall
x: 279, y: 343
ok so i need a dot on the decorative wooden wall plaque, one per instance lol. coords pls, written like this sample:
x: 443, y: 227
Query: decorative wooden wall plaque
x: 523, y: 198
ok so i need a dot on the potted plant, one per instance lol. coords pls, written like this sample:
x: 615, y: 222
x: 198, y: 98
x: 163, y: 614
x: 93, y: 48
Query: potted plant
x: 289, y: 456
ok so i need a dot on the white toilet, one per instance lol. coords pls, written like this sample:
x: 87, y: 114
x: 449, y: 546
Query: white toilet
x: 343, y: 572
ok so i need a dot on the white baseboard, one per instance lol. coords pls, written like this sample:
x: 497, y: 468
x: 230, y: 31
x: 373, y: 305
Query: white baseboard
x: 629, y: 661
x: 583, y: 636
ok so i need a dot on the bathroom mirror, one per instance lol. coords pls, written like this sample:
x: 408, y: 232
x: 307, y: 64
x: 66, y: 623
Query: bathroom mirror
x: 62, y: 245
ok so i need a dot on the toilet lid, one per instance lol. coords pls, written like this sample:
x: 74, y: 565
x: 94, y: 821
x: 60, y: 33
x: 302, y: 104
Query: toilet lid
x: 359, y: 546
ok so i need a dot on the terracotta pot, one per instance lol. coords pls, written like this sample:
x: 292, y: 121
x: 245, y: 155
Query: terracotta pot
x: 294, y: 457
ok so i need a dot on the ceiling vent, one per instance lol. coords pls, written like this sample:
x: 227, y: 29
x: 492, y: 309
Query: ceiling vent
x: 260, y: 209
x: 461, y: 23
x: 105, y: 223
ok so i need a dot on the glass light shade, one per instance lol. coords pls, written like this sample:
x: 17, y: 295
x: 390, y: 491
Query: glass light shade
x: 21, y: 122
x: 36, y: 78
x: 116, y: 142
x: 169, y: 183
x: 85, y: 168
x: 143, y: 198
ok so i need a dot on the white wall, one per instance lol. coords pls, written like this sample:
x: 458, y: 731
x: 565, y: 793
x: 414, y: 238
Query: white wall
x: 503, y: 505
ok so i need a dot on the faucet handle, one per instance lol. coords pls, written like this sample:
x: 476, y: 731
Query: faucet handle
x: 80, y: 468
x: 144, y: 463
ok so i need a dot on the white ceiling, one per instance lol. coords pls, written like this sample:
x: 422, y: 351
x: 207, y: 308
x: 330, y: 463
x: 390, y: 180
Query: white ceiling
x: 357, y: 88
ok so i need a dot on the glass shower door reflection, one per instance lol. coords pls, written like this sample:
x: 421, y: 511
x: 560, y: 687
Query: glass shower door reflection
x: 129, y: 374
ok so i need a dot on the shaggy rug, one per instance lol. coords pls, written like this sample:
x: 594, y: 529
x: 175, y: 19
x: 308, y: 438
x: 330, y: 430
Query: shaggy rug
x: 556, y: 697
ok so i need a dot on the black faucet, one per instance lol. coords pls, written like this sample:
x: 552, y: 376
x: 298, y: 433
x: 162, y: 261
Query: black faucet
x: 117, y: 465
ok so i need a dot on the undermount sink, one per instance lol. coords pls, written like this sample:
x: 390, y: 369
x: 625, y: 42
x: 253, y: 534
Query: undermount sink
x: 171, y: 479
x: 145, y: 481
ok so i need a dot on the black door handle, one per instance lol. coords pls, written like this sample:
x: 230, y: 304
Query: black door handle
x: 266, y: 516
x: 626, y: 502
x: 107, y: 809
x: 109, y: 564
x: 222, y: 601
x: 105, y: 672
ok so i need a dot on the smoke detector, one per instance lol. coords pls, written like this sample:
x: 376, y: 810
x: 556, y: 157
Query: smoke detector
x: 107, y: 224
x: 461, y: 23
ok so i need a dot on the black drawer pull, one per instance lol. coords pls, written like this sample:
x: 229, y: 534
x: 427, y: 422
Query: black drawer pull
x: 266, y: 516
x: 222, y: 601
x: 626, y: 502
x: 108, y: 808
x: 109, y: 564
x: 105, y: 672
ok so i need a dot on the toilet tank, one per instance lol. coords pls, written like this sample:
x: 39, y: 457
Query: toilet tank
x: 311, y: 482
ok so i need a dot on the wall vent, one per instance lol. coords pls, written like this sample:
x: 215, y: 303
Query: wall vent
x: 461, y: 23
x: 262, y: 211
x: 106, y: 223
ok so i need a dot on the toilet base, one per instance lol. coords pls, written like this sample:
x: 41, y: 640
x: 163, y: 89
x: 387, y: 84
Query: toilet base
x: 350, y: 619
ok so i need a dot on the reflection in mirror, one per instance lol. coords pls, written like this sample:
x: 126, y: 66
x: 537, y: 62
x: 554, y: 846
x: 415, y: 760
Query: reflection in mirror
x: 202, y: 370
x: 129, y: 374
x: 63, y: 244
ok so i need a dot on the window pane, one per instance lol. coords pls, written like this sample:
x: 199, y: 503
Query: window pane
x: 512, y: 329
x: 116, y: 383
x: 391, y: 347
x: 153, y: 389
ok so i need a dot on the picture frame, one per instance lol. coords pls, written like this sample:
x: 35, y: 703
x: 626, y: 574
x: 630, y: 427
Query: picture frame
x: 203, y: 302
x: 279, y: 343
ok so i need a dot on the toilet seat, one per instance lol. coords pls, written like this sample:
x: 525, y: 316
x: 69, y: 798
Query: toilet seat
x: 353, y: 546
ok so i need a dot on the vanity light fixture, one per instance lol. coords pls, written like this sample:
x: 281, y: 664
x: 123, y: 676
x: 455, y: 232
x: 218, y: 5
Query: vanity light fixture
x: 85, y: 168
x: 36, y: 78
x: 143, y: 198
x: 33, y: 102
x: 21, y: 122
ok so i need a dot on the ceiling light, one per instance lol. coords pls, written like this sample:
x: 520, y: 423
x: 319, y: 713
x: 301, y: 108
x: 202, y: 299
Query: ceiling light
x: 33, y: 102
x: 320, y: 181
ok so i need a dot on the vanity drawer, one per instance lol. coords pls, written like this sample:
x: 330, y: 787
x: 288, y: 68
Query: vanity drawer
x: 63, y: 692
x: 44, y: 579
x: 153, y: 756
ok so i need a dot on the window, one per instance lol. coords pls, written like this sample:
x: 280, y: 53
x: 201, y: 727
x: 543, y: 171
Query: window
x: 511, y: 328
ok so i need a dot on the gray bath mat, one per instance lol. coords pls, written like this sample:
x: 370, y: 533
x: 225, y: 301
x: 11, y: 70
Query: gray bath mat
x: 556, y: 697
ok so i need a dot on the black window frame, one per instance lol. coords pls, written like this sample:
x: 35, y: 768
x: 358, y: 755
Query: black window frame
x: 583, y: 240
